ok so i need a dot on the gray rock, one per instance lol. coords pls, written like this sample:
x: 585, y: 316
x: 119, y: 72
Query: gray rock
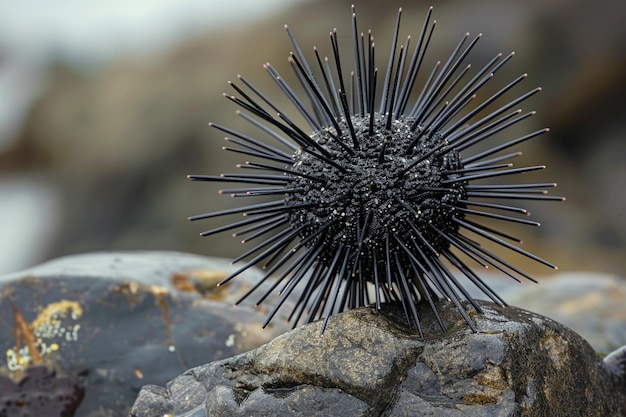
x: 113, y: 322
x: 40, y: 392
x: 369, y: 364
x: 592, y: 304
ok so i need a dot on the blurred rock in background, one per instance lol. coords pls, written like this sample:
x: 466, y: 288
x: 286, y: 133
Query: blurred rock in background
x: 96, y: 139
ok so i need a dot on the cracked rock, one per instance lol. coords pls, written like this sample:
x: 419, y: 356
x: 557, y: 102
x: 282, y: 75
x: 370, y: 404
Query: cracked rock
x: 370, y: 364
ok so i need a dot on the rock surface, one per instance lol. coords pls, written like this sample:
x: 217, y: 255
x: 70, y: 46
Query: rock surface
x: 590, y: 303
x: 368, y: 364
x: 40, y: 393
x: 112, y: 322
x: 129, y: 306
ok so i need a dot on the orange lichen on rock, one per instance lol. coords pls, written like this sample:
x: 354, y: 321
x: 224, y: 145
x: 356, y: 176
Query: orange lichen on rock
x: 44, y: 335
x: 24, y: 334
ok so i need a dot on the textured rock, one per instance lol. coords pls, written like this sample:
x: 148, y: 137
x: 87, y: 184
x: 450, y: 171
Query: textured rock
x: 592, y: 304
x: 368, y: 364
x: 40, y: 393
x: 116, y: 321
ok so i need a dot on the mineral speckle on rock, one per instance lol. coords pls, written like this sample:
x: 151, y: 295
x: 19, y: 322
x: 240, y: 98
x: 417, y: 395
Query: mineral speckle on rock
x: 369, y: 364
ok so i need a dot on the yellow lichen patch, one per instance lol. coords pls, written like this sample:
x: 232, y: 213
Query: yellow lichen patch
x: 129, y: 289
x: 18, y: 359
x: 203, y: 281
x: 160, y: 295
x: 479, y: 398
x: 492, y: 377
x: 159, y: 290
x: 182, y: 281
x: 43, y: 336
x: 51, y: 317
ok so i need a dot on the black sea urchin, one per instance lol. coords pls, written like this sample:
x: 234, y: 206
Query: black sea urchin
x: 382, y: 193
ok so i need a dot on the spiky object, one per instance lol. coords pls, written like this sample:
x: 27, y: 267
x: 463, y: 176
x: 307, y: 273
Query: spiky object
x: 382, y: 192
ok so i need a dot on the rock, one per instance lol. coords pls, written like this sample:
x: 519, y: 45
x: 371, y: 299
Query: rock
x: 113, y: 322
x: 40, y: 393
x: 368, y: 364
x: 122, y: 314
x: 616, y: 361
x: 591, y: 303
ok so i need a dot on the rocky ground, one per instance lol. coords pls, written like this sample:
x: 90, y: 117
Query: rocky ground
x: 105, y: 324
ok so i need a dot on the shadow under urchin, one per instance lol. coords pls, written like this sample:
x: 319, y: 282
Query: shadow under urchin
x: 379, y: 196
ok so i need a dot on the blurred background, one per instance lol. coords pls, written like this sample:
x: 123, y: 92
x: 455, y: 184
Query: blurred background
x: 104, y: 109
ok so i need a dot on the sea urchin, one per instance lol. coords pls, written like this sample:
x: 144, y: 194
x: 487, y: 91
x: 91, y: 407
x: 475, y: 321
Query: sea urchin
x: 383, y: 194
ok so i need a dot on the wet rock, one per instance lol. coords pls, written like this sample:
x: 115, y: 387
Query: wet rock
x: 368, y: 364
x: 40, y: 393
x: 117, y: 321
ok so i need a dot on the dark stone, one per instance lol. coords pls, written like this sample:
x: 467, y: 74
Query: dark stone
x: 118, y: 321
x: 369, y: 364
x: 40, y: 393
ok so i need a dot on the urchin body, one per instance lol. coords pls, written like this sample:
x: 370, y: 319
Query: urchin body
x: 383, y: 192
x: 375, y: 189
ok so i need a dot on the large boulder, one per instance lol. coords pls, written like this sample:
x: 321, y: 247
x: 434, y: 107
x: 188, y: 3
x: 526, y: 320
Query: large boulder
x: 369, y: 364
x: 105, y: 324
